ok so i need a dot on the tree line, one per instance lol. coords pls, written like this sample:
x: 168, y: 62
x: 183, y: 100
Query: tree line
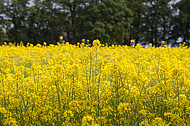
x: 110, y: 21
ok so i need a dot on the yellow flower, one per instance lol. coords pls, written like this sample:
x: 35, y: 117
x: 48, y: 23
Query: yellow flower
x: 3, y: 110
x: 150, y: 44
x: 45, y: 43
x: 81, y: 85
x: 61, y: 37
x: 132, y: 41
x: 96, y: 42
x: 163, y: 42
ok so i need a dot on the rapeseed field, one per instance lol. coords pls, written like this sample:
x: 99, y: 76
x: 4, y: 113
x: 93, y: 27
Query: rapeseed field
x: 60, y: 85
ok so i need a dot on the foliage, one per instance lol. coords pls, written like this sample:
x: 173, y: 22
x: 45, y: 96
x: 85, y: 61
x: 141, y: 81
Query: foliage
x: 112, y: 21
x: 107, y: 21
x: 184, y: 18
x: 158, y: 21
x: 137, y: 27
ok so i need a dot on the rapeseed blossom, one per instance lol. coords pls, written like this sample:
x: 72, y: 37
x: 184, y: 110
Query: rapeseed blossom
x: 100, y: 85
x: 61, y: 37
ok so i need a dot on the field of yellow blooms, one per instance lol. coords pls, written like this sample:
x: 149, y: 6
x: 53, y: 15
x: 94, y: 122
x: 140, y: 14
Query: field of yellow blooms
x: 60, y: 85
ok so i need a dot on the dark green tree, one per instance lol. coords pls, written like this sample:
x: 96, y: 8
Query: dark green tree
x: 175, y: 24
x: 106, y: 20
x: 36, y: 23
x: 1, y: 20
x: 111, y: 21
x: 158, y: 18
x: 166, y: 16
x: 3, y: 36
x: 184, y: 16
x: 70, y: 12
x: 136, y: 30
x: 15, y: 12
x: 3, y: 24
x: 44, y: 22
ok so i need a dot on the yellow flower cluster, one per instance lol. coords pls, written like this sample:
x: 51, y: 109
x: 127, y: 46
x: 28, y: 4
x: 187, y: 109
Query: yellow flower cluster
x: 100, y: 85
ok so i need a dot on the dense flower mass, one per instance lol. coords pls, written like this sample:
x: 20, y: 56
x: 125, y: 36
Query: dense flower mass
x: 80, y: 85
